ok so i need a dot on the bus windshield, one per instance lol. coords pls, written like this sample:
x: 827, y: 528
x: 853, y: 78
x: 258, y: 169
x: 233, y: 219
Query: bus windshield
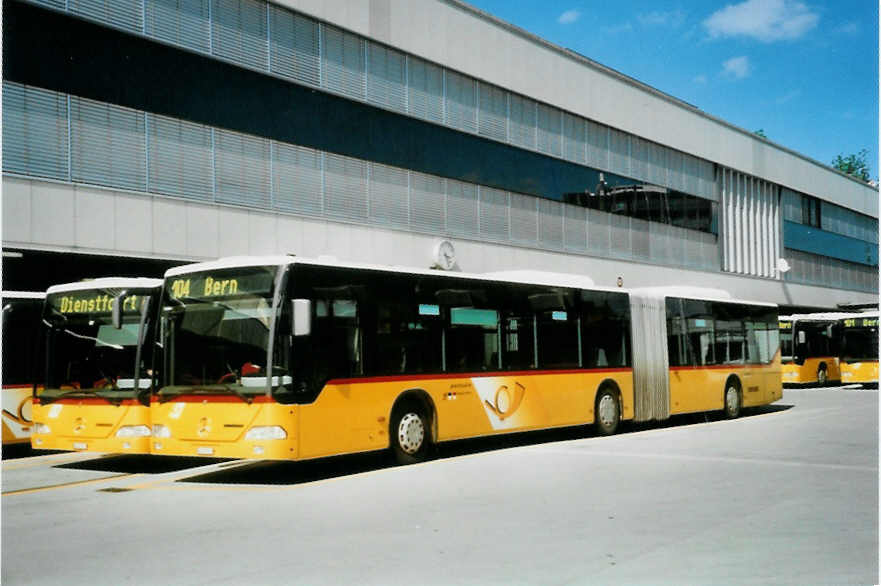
x: 859, y: 343
x: 85, y: 353
x: 215, y: 332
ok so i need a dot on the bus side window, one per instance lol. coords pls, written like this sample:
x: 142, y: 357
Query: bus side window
x: 700, y: 333
x: 472, y: 339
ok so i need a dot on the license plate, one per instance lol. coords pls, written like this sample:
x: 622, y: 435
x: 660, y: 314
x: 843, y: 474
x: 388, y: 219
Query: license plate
x: 79, y: 446
x: 205, y: 451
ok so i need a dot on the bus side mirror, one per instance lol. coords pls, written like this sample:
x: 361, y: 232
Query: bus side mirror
x: 116, y: 312
x: 301, y: 316
x: 802, y: 337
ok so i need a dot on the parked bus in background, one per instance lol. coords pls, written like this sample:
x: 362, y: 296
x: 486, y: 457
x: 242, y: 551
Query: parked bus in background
x: 858, y: 344
x: 285, y: 358
x: 21, y: 327
x: 95, y: 384
x: 810, y: 349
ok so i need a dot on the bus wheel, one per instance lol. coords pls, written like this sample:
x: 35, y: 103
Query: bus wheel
x: 607, y: 412
x: 821, y: 376
x: 410, y: 433
x: 732, y: 399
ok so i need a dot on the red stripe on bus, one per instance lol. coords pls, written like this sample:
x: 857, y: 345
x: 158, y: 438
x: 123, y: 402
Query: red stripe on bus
x: 722, y: 367
x: 213, y: 399
x: 449, y: 375
x: 11, y: 387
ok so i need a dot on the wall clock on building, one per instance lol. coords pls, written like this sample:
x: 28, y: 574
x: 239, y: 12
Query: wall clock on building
x: 444, y: 255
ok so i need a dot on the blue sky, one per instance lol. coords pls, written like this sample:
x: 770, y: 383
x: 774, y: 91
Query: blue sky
x: 806, y: 73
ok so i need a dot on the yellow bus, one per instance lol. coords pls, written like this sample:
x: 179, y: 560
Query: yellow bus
x: 858, y: 343
x: 809, y: 344
x: 94, y: 391
x: 286, y: 358
x: 21, y: 325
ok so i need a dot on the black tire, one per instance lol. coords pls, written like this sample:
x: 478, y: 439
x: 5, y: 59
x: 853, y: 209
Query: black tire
x: 607, y: 412
x: 822, y: 378
x: 732, y: 400
x: 410, y: 433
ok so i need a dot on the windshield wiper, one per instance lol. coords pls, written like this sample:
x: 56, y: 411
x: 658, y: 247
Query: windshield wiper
x: 46, y: 398
x: 165, y: 395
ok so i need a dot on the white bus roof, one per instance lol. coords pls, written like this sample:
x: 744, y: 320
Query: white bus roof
x: 22, y: 295
x: 106, y: 283
x: 821, y: 316
x: 516, y: 276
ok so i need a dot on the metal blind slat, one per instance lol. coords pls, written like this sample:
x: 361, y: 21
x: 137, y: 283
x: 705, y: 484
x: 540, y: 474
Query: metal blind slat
x: 124, y: 14
x: 242, y: 169
x: 181, y: 22
x: 180, y: 158
x: 598, y: 145
x: 598, y: 232
x: 294, y: 46
x: 107, y: 145
x: 461, y: 102
x: 550, y: 214
x: 389, y: 196
x: 522, y: 121
x: 386, y: 77
x: 296, y: 178
x: 493, y: 115
x: 574, y: 145
x: 549, y: 131
x: 343, y: 62
x: 619, y: 152
x: 60, y: 4
x: 345, y: 191
x: 524, y: 219
x: 493, y: 213
x: 426, y: 90
x: 238, y: 29
x: 34, y: 131
x: 427, y: 199
x: 462, y: 208
x: 575, y: 228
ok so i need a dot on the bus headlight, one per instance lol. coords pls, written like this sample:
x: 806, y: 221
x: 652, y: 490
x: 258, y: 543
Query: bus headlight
x: 160, y: 430
x: 133, y: 431
x: 266, y: 432
x: 42, y: 428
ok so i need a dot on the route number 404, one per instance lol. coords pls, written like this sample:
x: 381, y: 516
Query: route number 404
x: 180, y: 288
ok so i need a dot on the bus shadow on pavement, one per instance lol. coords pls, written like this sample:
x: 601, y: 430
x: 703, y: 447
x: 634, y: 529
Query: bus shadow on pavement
x: 303, y: 472
x: 140, y: 463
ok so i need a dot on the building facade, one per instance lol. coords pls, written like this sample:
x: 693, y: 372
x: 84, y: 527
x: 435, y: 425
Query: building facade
x: 138, y: 134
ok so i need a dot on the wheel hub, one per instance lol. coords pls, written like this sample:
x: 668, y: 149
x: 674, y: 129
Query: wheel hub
x: 411, y: 433
x: 607, y: 411
x: 731, y: 399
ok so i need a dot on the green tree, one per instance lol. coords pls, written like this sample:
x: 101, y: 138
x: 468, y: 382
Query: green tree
x: 854, y: 165
x: 761, y: 132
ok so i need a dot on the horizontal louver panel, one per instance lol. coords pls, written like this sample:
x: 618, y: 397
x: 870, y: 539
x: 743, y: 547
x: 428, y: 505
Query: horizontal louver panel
x: 524, y: 219
x: 493, y: 213
x: 294, y: 46
x: 180, y: 22
x: 386, y: 78
x: 619, y: 152
x: 34, y: 131
x: 345, y: 187
x: 388, y: 202
x: 598, y: 145
x: 125, y: 14
x: 297, y: 179
x: 493, y: 115
x: 239, y: 32
x: 461, y: 102
x: 242, y: 169
x: 108, y: 145
x: 549, y: 130
x: 550, y: 214
x: 575, y: 228
x: 180, y: 157
x: 462, y: 206
x: 574, y: 143
x: 522, y: 121
x: 427, y: 203
x: 343, y: 62
x: 426, y: 90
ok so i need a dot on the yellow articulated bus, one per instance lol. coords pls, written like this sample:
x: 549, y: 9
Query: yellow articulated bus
x: 21, y: 326
x: 94, y: 390
x: 809, y: 343
x: 285, y: 358
x: 858, y: 343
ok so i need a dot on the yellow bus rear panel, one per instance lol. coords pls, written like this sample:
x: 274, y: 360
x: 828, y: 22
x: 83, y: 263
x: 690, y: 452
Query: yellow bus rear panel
x: 92, y: 425
x: 863, y: 372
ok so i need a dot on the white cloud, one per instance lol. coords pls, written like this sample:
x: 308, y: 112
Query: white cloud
x: 673, y: 18
x: 765, y: 20
x: 736, y: 67
x: 620, y: 28
x: 569, y: 17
